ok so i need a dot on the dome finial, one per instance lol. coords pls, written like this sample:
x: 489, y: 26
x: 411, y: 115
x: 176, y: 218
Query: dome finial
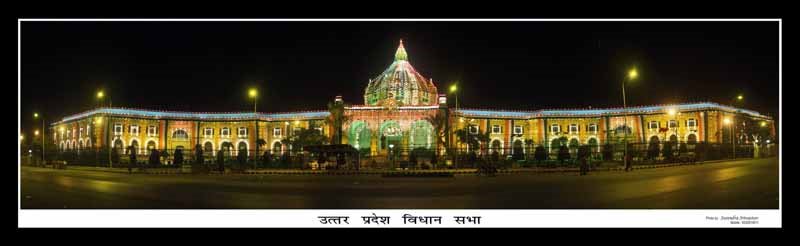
x: 400, y: 55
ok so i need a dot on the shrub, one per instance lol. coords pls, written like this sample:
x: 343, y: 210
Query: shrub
x: 178, y: 160
x: 155, y: 159
x: 608, y: 152
x: 563, y: 153
x: 540, y: 154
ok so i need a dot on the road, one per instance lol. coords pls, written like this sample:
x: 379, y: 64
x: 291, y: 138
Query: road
x: 741, y: 184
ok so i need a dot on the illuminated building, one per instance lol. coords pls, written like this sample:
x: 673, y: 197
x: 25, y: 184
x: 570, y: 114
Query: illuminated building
x: 398, y: 106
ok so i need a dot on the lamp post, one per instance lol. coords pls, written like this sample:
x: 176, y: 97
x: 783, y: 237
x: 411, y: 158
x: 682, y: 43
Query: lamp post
x: 253, y: 93
x: 44, y: 134
x: 100, y: 96
x: 632, y: 74
x: 454, y: 90
x: 391, y: 153
x: 728, y: 121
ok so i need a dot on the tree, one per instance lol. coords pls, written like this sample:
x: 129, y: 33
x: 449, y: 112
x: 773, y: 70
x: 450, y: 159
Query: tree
x: 305, y: 137
x: 652, y: 150
x: 198, y: 154
x: 667, y: 152
x: 608, y: 152
x: 155, y: 159
x: 412, y: 158
x: 583, y: 152
x: 266, y: 158
x: 563, y: 153
x: 440, y: 127
x: 682, y: 150
x: 540, y: 154
x: 529, y: 144
x: 178, y: 157
x: 518, y: 153
x: 132, y: 155
x: 114, y: 155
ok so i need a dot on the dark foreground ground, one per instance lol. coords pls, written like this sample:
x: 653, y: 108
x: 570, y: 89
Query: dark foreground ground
x: 741, y: 184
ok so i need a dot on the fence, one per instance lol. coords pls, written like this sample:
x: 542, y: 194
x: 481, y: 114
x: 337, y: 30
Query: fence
x: 399, y: 157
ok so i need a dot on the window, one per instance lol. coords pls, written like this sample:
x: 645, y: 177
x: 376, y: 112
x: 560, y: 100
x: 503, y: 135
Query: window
x: 117, y: 129
x: 319, y: 129
x: 555, y: 128
x: 497, y: 129
x: 80, y: 134
x: 473, y: 129
x: 151, y: 131
x: 517, y: 129
x: 134, y: 130
x: 242, y: 132
x: 276, y: 132
x: 208, y: 132
x: 691, y: 123
x: 225, y: 132
x: 673, y: 124
x: 573, y: 128
x: 180, y: 134
x: 653, y: 125
x: 592, y: 128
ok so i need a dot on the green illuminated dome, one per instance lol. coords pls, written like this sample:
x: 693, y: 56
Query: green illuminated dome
x: 401, y: 83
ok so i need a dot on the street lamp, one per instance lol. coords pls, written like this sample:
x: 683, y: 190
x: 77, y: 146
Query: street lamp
x: 253, y: 93
x: 632, y: 74
x: 728, y: 121
x: 454, y: 90
x: 44, y: 131
x: 391, y: 153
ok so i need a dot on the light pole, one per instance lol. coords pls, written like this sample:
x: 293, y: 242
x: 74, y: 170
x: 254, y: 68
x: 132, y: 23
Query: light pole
x: 100, y: 95
x: 728, y: 121
x: 254, y: 94
x: 454, y: 90
x: 391, y: 153
x: 44, y: 134
x: 632, y: 74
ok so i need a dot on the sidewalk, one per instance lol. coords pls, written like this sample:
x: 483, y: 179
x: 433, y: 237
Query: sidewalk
x: 381, y: 172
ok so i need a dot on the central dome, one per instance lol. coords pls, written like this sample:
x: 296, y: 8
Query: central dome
x: 400, y: 85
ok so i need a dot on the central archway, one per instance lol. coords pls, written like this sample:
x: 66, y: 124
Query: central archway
x: 390, y: 135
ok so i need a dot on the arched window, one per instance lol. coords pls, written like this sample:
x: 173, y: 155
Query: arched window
x: 151, y: 145
x: 277, y: 148
x: 180, y: 134
x: 593, y: 145
x: 495, y: 145
x: 208, y: 148
x: 242, y: 148
x: 135, y: 145
x: 691, y: 139
x: 118, y: 146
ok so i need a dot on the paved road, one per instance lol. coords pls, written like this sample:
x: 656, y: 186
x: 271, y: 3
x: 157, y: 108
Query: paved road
x: 739, y: 184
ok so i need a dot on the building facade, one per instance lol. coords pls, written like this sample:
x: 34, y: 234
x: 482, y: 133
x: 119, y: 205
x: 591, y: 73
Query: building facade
x: 403, y: 110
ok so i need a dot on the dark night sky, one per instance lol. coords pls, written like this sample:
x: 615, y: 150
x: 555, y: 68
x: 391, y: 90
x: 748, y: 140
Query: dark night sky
x: 207, y: 66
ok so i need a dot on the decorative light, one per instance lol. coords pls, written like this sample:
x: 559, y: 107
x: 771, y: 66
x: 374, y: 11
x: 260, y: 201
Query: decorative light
x: 36, y: 132
x: 727, y: 121
x: 740, y: 97
x: 453, y: 88
x: 763, y: 123
x: 253, y: 93
x: 100, y: 94
x: 35, y: 115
